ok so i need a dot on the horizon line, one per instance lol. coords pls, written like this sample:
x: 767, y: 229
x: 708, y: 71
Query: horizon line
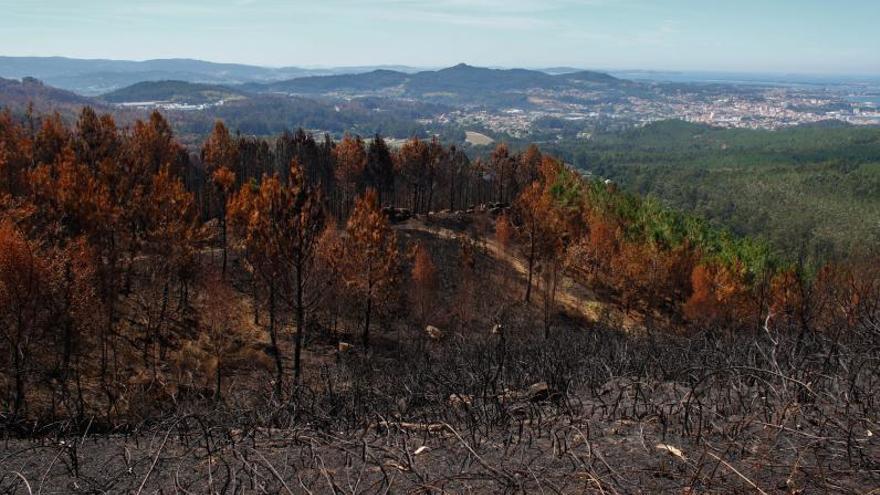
x: 429, y: 67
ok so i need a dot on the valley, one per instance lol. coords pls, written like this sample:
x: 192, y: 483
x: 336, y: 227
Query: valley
x: 565, y: 105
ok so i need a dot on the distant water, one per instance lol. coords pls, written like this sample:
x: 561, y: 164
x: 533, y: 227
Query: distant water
x: 708, y: 77
x: 872, y: 99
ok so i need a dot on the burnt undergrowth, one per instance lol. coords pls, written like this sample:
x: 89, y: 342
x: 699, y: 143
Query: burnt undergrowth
x: 585, y: 410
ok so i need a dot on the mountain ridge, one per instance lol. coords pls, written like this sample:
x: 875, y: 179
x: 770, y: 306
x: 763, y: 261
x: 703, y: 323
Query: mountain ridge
x: 461, y: 78
x: 93, y: 77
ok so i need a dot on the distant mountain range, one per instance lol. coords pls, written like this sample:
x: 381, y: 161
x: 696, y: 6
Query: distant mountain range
x: 395, y: 102
x: 92, y: 77
x: 185, y: 81
x: 455, y: 85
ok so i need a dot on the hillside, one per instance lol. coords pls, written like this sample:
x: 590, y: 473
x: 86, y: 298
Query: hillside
x: 590, y: 76
x: 465, y: 78
x: 33, y: 89
x: 266, y: 115
x: 813, y: 189
x: 17, y: 95
x: 303, y: 312
x: 172, y: 92
x: 193, y: 108
x: 370, y: 81
x: 415, y: 407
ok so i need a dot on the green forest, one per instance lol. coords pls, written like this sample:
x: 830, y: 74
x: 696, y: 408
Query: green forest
x: 812, y: 192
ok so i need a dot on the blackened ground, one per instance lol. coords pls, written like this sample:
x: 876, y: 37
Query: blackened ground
x: 589, y: 410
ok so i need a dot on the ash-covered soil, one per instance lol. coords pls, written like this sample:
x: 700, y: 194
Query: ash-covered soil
x: 715, y: 414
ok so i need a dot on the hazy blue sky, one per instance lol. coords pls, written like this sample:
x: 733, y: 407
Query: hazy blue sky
x: 809, y: 36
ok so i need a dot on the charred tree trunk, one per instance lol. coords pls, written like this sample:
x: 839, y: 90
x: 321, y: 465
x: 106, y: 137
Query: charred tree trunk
x: 366, y: 334
x: 217, y: 383
x: 256, y: 298
x: 17, y: 364
x: 300, y: 327
x: 223, y: 238
x: 273, y: 335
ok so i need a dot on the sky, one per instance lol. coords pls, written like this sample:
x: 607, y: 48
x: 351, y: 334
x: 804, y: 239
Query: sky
x: 775, y: 36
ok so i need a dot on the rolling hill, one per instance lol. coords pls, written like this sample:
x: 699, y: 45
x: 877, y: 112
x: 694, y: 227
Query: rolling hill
x: 17, y: 95
x: 257, y: 114
x: 369, y: 81
x: 173, y: 92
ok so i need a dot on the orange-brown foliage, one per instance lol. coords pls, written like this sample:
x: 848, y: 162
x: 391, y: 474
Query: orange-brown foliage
x: 351, y: 158
x: 371, y: 256
x: 718, y: 294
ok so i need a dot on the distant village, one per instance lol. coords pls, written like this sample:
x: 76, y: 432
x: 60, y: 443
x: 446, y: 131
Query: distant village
x: 751, y: 108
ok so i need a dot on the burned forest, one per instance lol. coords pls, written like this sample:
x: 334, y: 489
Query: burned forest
x: 299, y: 314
